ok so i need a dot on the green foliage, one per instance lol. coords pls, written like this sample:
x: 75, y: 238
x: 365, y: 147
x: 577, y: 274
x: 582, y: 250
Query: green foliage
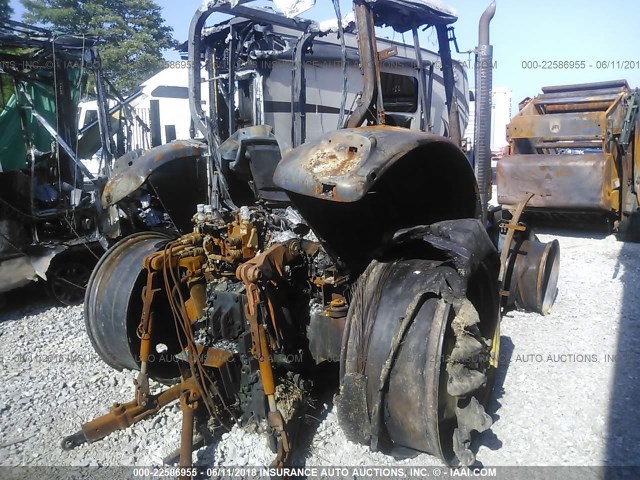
x: 5, y: 9
x: 132, y: 33
x: 6, y: 90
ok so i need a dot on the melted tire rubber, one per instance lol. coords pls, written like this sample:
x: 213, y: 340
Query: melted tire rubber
x: 416, y: 364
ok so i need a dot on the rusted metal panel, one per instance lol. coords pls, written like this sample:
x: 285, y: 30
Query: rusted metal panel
x: 345, y: 164
x: 587, y: 125
x: 132, y: 170
x: 584, y: 182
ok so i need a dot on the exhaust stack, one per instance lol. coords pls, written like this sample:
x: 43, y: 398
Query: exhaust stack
x: 484, y: 80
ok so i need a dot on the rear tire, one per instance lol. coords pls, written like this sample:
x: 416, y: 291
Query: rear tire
x: 67, y: 279
x: 416, y: 367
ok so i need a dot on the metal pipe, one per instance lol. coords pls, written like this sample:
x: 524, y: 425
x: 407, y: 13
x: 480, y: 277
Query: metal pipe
x: 428, y: 120
x: 368, y: 59
x: 195, y: 80
x: 484, y: 74
x: 299, y: 89
x: 449, y: 81
x: 422, y: 86
x: 483, y: 27
x: 186, y: 434
x: 231, y: 87
x: 104, y: 124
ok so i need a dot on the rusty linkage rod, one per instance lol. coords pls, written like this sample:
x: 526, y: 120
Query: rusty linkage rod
x: 266, y: 267
x: 194, y: 385
x: 123, y: 415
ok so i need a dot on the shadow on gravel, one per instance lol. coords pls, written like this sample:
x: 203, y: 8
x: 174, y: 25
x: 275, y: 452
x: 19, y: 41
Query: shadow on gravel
x: 31, y: 299
x: 488, y: 438
x: 598, y: 230
x: 623, y: 431
x: 325, y: 386
x: 301, y: 429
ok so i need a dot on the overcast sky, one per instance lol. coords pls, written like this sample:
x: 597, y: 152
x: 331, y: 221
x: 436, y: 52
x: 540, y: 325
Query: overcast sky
x: 605, y: 35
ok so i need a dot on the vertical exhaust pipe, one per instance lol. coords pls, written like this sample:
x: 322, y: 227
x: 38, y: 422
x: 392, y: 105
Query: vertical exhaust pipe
x: 484, y: 80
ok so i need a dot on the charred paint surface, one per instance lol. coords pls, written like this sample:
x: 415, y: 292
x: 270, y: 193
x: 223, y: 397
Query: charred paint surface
x: 132, y: 170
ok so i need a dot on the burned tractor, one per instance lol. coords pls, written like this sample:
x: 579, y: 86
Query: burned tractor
x: 49, y: 224
x: 366, y: 247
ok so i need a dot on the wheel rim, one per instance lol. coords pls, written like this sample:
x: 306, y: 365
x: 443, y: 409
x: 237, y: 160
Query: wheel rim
x: 68, y: 281
x: 113, y: 305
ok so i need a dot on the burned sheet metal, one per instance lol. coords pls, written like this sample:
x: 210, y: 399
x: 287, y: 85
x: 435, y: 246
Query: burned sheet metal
x: 160, y: 187
x: 403, y: 15
x: 132, y: 170
x: 293, y: 8
x: 47, y: 195
x: 570, y: 147
x: 21, y: 269
x: 583, y: 182
x: 386, y: 178
x: 344, y: 165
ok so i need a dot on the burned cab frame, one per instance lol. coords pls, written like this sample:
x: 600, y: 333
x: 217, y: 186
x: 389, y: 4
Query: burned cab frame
x: 366, y: 245
x: 260, y: 69
x: 50, y: 220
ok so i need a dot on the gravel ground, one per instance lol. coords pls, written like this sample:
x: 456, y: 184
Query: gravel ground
x: 565, y: 394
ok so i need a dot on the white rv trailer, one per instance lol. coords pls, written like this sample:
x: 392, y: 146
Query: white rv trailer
x: 157, y: 111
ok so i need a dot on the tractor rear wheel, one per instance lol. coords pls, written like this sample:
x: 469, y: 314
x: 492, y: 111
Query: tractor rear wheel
x: 113, y: 308
x: 419, y: 358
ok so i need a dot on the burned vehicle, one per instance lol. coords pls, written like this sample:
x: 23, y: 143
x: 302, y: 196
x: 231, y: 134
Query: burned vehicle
x: 49, y: 223
x: 292, y: 79
x: 577, y: 147
x: 366, y: 247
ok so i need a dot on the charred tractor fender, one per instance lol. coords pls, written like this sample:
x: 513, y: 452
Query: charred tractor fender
x: 176, y: 173
x: 357, y: 187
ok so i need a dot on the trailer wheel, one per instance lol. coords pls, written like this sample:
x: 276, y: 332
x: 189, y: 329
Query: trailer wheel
x: 419, y: 358
x: 67, y: 279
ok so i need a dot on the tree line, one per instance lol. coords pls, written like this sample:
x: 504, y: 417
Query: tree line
x: 132, y: 33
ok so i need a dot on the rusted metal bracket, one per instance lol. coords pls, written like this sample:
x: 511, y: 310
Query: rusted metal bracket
x: 144, y: 333
x: 260, y: 350
x: 265, y: 267
x: 387, y: 53
x: 512, y: 227
x: 633, y: 102
x: 188, y: 406
x: 124, y: 415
